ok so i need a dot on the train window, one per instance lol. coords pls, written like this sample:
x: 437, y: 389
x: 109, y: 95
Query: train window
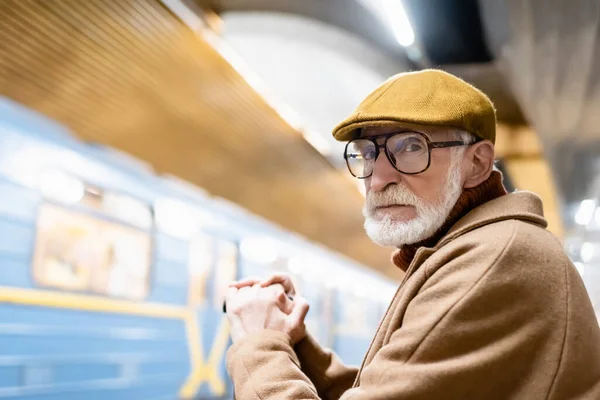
x: 77, y: 251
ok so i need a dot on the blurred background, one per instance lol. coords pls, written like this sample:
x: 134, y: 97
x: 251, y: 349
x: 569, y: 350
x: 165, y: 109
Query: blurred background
x: 153, y: 150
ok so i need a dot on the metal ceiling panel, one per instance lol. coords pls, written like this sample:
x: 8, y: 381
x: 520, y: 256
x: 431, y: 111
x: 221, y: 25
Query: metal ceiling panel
x: 550, y: 52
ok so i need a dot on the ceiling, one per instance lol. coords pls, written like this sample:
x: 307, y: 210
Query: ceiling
x: 448, y: 33
x: 356, y: 16
x: 549, y: 50
x: 319, y: 70
x: 129, y: 74
x: 536, y: 59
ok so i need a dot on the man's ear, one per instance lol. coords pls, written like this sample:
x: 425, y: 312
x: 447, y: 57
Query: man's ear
x: 480, y: 159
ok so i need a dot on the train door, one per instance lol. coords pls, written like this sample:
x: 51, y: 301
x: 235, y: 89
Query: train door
x: 213, y: 263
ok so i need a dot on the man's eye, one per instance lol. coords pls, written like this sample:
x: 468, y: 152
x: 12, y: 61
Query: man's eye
x: 368, y: 154
x: 413, y: 147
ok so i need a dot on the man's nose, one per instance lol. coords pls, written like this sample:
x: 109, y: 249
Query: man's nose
x: 384, y: 173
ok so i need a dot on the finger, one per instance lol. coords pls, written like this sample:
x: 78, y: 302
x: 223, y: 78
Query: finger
x: 283, y: 301
x: 249, y: 291
x: 231, y: 292
x: 282, y: 279
x: 299, y: 311
x: 287, y: 305
x: 276, y: 288
x: 277, y: 294
x: 250, y: 281
x: 236, y: 326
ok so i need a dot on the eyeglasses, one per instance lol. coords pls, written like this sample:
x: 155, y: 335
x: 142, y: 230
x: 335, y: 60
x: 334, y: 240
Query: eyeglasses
x: 408, y: 152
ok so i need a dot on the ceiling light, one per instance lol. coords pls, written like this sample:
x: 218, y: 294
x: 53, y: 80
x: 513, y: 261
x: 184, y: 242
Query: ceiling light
x: 398, y: 21
x: 585, y: 212
x: 587, y: 252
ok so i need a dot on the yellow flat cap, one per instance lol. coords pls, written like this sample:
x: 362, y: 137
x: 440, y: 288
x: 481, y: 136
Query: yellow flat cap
x: 427, y: 97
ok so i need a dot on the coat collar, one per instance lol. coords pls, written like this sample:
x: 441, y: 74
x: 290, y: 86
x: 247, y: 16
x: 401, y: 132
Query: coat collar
x: 521, y: 205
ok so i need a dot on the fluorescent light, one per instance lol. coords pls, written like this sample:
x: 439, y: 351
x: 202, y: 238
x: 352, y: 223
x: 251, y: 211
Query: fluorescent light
x: 398, y: 21
x: 587, y: 252
x: 586, y: 212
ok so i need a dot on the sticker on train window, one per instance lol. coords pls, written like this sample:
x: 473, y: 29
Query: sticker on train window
x: 76, y: 251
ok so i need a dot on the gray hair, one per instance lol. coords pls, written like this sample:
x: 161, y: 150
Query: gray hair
x: 465, y: 137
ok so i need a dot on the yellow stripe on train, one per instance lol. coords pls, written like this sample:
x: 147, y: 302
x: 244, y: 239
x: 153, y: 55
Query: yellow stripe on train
x: 200, y: 372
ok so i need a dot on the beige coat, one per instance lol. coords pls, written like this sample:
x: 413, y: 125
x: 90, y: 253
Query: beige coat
x: 494, y: 311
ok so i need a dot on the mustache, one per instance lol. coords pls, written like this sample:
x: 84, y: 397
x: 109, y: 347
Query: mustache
x: 391, y: 195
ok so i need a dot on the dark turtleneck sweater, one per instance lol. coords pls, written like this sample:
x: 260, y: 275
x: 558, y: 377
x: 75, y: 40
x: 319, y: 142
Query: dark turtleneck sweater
x: 469, y: 199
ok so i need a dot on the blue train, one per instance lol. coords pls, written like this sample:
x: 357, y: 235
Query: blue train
x: 112, y: 278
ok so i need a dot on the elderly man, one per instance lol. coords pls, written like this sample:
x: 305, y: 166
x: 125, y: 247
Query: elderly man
x: 490, y: 306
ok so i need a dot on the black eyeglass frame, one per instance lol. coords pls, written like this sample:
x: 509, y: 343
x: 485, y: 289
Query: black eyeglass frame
x: 430, y: 146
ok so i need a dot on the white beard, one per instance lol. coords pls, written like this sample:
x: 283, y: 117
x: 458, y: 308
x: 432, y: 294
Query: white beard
x: 384, y: 231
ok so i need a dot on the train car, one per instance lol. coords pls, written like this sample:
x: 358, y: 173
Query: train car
x: 112, y: 278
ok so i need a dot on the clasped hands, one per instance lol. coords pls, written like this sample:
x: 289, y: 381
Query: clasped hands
x: 255, y: 305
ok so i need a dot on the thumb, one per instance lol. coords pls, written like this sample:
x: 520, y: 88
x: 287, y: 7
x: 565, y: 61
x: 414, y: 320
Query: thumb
x: 299, y: 310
